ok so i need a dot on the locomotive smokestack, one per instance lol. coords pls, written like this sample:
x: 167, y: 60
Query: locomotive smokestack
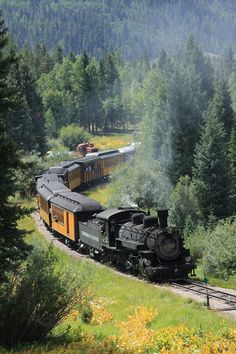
x: 162, y: 215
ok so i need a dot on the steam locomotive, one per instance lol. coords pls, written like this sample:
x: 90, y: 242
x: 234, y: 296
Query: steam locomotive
x: 136, y: 242
x: 126, y: 237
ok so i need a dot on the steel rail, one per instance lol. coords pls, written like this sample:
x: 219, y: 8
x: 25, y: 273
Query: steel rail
x: 202, y: 289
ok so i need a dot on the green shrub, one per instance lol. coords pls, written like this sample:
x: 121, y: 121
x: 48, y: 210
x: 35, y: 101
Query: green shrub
x: 72, y: 135
x: 184, y: 208
x: 87, y: 314
x: 214, y: 247
x: 138, y: 184
x: 37, y: 298
x: 30, y: 166
x: 197, y: 243
x: 220, y: 258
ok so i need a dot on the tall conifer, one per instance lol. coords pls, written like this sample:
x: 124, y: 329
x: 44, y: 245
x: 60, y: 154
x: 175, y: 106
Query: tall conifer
x: 211, y: 170
x: 223, y: 105
x: 232, y: 159
x: 12, y: 246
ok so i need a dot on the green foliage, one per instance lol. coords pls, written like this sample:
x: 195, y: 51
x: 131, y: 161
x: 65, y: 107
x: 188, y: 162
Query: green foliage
x: 211, y: 170
x: 30, y: 166
x: 232, y: 159
x: 50, y: 124
x: 122, y: 296
x: 184, y: 208
x: 222, y: 103
x: 219, y: 258
x: 214, y: 247
x: 175, y: 97
x: 72, y: 135
x: 143, y: 184
x: 113, y: 113
x: 83, y: 92
x: 12, y: 246
x: 37, y: 297
x: 197, y: 242
x: 87, y: 314
x: 26, y: 120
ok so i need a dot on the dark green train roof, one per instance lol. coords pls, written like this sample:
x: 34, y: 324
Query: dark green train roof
x: 58, y: 170
x: 107, y: 214
x: 75, y: 202
x: 51, y: 188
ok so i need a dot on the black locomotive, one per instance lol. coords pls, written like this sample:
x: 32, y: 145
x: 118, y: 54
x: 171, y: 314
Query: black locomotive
x: 136, y: 242
x: 126, y: 237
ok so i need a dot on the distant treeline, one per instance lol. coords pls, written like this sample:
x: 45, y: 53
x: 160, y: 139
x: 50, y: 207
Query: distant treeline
x: 129, y: 26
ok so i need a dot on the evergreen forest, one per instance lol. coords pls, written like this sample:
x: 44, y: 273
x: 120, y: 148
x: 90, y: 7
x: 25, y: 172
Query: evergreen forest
x: 129, y: 26
x: 164, y: 71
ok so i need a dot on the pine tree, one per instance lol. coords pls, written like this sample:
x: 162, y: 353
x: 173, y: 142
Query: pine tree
x: 87, y: 90
x: 25, y: 119
x: 223, y: 104
x: 58, y: 55
x: 19, y: 123
x: 109, y: 88
x: 211, y: 166
x: 42, y: 62
x: 12, y: 246
x: 34, y: 102
x: 82, y: 88
x: 192, y: 59
x: 176, y: 95
x: 72, y: 56
x: 232, y: 159
x: 183, y: 119
x: 50, y: 123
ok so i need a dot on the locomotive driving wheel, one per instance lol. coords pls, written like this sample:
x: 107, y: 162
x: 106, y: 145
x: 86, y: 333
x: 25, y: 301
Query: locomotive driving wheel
x: 143, y: 264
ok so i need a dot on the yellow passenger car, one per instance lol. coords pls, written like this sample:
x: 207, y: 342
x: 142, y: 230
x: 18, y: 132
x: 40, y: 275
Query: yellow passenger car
x: 67, y: 209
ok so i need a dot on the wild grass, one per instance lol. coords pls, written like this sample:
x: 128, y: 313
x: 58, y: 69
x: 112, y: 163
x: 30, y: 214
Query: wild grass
x: 102, y: 142
x: 125, y: 294
x: 230, y: 283
x: 120, y: 297
x: 101, y: 194
x: 112, y: 141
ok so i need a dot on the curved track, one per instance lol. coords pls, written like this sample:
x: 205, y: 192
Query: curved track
x: 219, y: 299
x: 215, y: 298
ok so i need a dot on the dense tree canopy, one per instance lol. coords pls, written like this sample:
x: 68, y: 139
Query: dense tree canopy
x: 130, y: 26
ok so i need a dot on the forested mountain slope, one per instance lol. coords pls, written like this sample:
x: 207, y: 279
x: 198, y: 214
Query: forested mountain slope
x: 132, y: 26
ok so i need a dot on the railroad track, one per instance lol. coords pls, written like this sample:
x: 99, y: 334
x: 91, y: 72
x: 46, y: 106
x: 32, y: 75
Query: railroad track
x: 209, y: 293
x: 188, y: 287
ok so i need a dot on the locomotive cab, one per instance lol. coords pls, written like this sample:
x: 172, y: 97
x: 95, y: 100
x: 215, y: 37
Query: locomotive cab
x: 106, y: 226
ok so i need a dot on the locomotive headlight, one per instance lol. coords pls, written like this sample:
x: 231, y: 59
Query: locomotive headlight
x: 188, y: 259
x: 147, y: 262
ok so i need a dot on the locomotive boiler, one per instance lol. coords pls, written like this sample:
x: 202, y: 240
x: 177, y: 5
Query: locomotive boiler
x: 139, y: 243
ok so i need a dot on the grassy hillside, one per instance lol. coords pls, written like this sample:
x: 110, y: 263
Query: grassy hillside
x: 131, y: 316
